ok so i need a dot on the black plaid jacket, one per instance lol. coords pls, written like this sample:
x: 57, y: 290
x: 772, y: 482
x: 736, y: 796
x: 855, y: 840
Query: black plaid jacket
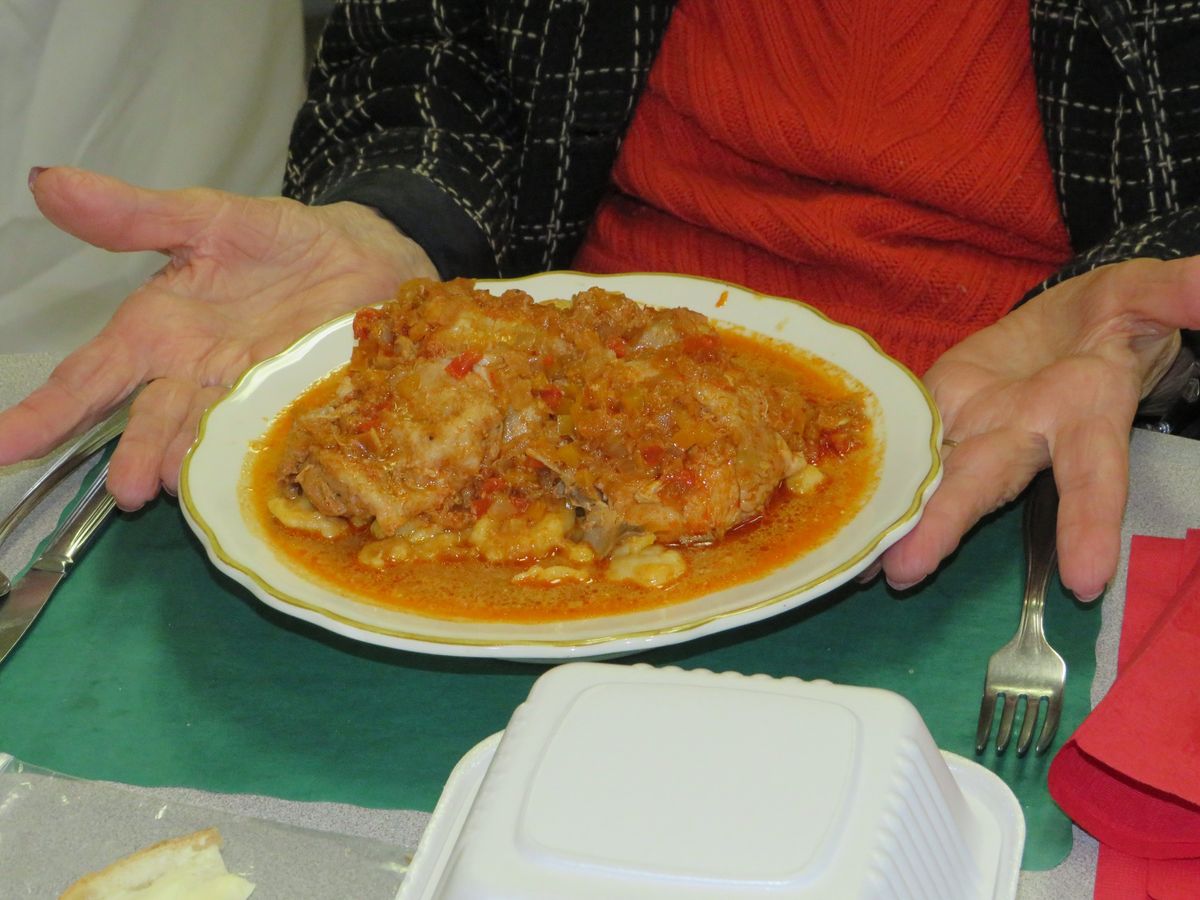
x: 485, y: 129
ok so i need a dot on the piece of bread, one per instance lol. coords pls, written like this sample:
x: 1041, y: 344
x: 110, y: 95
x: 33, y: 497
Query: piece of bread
x: 183, y: 868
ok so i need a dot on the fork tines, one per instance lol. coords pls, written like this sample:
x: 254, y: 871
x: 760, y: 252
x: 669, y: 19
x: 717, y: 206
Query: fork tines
x: 1033, y: 706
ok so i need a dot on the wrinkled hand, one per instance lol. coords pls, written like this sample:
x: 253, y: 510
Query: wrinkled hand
x: 1056, y: 382
x: 245, y: 278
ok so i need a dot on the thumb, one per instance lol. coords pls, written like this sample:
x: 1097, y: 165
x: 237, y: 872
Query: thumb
x: 1165, y: 293
x: 115, y: 215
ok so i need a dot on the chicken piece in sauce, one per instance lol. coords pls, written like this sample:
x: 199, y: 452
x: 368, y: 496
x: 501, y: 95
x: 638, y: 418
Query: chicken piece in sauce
x: 459, y: 403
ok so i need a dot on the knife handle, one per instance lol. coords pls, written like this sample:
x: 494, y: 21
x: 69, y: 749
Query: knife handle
x: 69, y: 540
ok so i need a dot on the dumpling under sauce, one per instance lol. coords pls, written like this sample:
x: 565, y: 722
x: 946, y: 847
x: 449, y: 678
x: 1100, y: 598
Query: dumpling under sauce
x: 486, y: 457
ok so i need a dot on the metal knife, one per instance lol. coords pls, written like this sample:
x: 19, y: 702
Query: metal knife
x: 34, y: 588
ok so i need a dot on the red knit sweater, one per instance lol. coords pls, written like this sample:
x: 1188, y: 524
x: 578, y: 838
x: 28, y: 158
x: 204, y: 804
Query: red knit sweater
x: 882, y: 161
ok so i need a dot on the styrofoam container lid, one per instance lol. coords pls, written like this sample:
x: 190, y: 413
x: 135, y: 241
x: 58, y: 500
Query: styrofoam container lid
x: 640, y: 782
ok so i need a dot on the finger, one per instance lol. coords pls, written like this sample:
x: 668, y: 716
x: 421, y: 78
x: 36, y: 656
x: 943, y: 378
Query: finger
x: 116, y: 215
x: 186, y: 435
x: 154, y: 420
x: 1091, y: 468
x: 982, y: 474
x: 1166, y: 292
x: 83, y: 389
x: 870, y: 573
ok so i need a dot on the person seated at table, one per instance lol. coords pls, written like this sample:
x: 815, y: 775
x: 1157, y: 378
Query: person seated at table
x: 911, y: 168
x: 130, y: 87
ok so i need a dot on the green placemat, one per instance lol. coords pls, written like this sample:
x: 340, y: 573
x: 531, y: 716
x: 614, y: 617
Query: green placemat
x: 149, y: 667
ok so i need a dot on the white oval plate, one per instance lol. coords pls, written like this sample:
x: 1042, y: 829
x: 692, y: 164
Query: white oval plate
x: 910, y: 471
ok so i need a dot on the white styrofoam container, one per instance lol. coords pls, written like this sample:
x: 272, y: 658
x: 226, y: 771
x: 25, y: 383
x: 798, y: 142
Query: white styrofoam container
x: 639, y: 782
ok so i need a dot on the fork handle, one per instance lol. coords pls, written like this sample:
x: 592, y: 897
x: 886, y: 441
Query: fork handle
x: 1039, y: 526
x: 92, y: 441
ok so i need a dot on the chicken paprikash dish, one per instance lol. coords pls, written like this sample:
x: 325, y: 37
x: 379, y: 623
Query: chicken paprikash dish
x: 484, y: 456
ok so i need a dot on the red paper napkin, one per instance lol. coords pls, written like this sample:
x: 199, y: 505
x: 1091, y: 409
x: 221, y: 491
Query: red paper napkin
x: 1130, y: 775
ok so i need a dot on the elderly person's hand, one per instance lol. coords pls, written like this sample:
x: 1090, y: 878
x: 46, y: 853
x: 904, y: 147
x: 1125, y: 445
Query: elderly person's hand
x: 1056, y: 382
x: 245, y: 278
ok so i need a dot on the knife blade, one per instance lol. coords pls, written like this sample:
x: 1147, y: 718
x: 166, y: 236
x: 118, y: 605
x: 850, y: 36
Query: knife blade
x: 34, y: 588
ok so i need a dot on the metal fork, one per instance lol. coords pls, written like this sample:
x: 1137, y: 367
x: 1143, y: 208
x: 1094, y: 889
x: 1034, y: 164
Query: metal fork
x: 1027, y: 667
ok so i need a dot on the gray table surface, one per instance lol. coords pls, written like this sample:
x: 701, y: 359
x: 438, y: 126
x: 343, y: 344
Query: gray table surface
x: 1160, y: 467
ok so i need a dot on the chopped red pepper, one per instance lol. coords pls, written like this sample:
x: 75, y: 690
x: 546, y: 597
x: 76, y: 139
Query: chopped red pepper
x: 552, y: 396
x: 618, y: 346
x: 370, y: 418
x: 491, y: 486
x: 701, y: 347
x: 365, y: 320
x: 653, y: 454
x: 460, y: 367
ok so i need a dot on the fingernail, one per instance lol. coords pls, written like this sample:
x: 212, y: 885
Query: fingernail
x: 34, y: 173
x: 903, y: 585
x: 1089, y: 598
x: 869, y: 573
